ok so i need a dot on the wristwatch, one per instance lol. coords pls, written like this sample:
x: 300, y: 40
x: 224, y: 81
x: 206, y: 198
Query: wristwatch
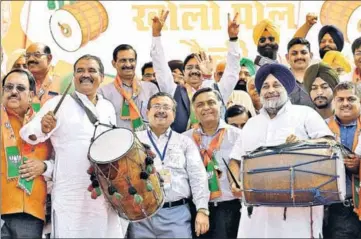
x: 204, y: 211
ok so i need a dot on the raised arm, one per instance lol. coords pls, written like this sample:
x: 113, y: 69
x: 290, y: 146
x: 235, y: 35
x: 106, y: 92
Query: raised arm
x: 160, y: 65
x: 231, y: 72
x: 311, y: 19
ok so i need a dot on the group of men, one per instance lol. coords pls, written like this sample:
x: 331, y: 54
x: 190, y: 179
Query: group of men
x: 180, y: 110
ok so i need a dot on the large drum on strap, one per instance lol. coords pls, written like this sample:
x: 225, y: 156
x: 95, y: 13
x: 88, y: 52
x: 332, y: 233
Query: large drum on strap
x: 126, y: 174
x: 73, y: 26
x: 293, y: 175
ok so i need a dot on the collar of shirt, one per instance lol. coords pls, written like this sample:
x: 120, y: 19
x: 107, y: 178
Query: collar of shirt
x: 353, y: 123
x: 221, y: 125
x: 166, y: 134
x: 284, y: 109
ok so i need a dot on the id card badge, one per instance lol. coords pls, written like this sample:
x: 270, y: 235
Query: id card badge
x: 165, y: 173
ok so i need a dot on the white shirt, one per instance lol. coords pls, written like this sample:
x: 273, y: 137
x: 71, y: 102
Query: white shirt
x: 74, y: 213
x: 182, y: 158
x: 230, y: 138
x: 226, y: 84
x: 261, y: 130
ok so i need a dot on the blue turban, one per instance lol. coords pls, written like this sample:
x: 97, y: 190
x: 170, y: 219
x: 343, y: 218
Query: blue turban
x: 281, y: 72
x: 335, y: 33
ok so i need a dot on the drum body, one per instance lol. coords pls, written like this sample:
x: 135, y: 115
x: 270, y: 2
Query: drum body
x: 73, y: 26
x: 290, y: 175
x: 119, y: 159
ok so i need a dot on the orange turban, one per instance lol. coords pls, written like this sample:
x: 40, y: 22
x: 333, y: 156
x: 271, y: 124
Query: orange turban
x: 266, y: 25
x: 337, y: 58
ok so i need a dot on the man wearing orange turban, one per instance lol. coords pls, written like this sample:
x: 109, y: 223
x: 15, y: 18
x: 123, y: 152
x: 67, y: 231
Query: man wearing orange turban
x: 266, y: 36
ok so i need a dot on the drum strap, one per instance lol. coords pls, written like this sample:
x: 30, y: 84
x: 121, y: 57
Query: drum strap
x: 91, y: 116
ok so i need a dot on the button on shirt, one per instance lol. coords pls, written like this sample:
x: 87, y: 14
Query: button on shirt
x: 261, y: 130
x: 182, y: 158
x: 229, y: 140
x: 109, y: 92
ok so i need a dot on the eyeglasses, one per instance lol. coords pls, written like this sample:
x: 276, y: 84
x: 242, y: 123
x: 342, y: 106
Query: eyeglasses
x: 10, y: 87
x: 37, y: 55
x: 263, y: 39
x: 159, y: 107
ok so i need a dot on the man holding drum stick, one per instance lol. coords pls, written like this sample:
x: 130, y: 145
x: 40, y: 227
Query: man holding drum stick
x: 278, y: 122
x: 74, y: 213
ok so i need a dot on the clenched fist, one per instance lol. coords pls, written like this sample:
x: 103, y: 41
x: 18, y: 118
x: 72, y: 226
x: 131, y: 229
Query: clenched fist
x: 311, y: 19
x: 48, y: 122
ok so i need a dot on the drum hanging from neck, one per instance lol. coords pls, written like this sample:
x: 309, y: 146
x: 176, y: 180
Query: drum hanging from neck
x: 74, y: 26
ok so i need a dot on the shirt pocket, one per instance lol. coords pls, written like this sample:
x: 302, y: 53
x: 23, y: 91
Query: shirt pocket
x: 175, y: 157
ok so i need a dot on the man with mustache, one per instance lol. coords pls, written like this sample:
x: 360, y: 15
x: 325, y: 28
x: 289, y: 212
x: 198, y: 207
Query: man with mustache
x: 179, y: 163
x: 346, y: 125
x: 320, y: 80
x: 299, y: 57
x: 23, y: 188
x: 356, y: 51
x: 266, y: 35
x: 215, y: 139
x: 74, y: 213
x: 278, y: 121
x: 247, y: 71
x: 128, y: 94
x: 38, y: 58
x: 330, y: 38
x: 198, y: 70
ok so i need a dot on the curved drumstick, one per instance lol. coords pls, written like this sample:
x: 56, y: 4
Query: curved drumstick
x: 62, y: 98
x: 229, y: 170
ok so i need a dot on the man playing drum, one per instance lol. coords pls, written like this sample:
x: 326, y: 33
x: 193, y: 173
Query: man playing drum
x: 179, y: 164
x: 277, y: 122
x: 215, y: 140
x: 74, y: 213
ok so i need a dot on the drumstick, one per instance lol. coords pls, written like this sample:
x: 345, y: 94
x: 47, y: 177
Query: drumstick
x: 62, y: 97
x: 234, y: 179
x: 33, y: 136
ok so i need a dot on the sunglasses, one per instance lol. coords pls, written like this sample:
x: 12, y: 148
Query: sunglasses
x: 263, y: 39
x: 10, y: 87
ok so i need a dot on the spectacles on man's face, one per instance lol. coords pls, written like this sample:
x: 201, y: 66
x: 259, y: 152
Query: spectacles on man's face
x: 263, y: 39
x: 10, y: 87
x: 37, y: 55
x: 159, y: 107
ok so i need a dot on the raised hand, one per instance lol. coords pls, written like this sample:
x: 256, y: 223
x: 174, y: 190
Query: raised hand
x: 158, y: 23
x: 311, y: 19
x: 205, y: 63
x: 233, y: 27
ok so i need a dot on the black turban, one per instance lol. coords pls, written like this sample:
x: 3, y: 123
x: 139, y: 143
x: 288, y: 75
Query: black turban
x: 281, y: 72
x: 335, y: 33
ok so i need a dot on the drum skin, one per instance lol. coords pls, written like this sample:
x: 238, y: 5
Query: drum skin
x: 256, y: 184
x: 125, y: 172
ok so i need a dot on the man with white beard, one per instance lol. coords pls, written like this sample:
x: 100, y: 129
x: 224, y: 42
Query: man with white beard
x: 279, y: 121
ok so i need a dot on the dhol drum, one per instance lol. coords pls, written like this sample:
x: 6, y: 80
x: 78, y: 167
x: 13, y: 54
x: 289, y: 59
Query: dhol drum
x: 126, y: 174
x: 300, y: 174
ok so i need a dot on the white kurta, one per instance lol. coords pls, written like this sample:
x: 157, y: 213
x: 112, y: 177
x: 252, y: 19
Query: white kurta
x: 268, y: 222
x: 74, y: 213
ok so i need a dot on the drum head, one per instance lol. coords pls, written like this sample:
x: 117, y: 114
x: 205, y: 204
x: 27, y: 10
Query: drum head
x: 111, y: 145
x: 65, y: 30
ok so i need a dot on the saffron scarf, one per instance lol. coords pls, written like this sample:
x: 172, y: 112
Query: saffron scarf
x: 209, y: 160
x: 14, y: 155
x: 129, y: 108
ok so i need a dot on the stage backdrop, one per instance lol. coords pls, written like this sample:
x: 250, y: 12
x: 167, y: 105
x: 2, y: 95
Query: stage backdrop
x: 75, y: 28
